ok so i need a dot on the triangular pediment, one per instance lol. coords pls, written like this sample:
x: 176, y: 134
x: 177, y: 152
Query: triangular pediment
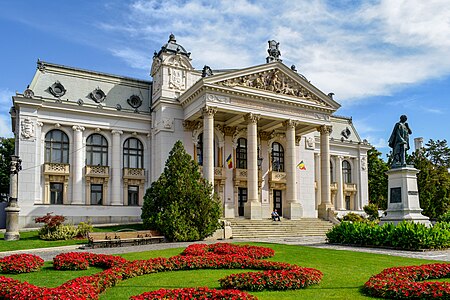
x: 274, y: 79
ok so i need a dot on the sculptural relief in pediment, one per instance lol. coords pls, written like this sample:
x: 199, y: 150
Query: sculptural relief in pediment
x: 273, y: 81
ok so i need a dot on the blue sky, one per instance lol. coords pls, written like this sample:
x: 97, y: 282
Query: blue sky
x: 382, y: 59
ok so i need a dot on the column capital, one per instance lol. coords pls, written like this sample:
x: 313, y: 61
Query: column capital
x: 326, y: 129
x: 251, y: 118
x: 264, y: 135
x: 118, y: 132
x: 78, y: 128
x: 229, y: 131
x: 209, y: 111
x: 290, y: 123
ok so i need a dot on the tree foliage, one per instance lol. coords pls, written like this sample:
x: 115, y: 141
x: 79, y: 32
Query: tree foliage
x: 438, y: 153
x: 433, y: 182
x: 6, y: 150
x: 181, y: 204
x: 378, y: 180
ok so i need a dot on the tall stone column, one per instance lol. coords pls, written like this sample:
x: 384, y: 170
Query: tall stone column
x: 356, y: 174
x: 77, y: 169
x: 325, y: 204
x: 317, y: 178
x: 293, y: 208
x: 252, y: 209
x: 340, y: 184
x: 12, y: 210
x: 208, y: 143
x: 116, y: 194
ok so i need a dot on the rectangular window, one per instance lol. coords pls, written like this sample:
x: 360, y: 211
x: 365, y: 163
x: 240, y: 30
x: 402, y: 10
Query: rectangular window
x: 133, y: 195
x: 96, y: 194
x: 56, y: 192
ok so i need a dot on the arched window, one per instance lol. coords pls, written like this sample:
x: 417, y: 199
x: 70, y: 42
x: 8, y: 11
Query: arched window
x: 347, y: 171
x: 133, y: 154
x: 200, y: 149
x: 56, y: 147
x: 241, y: 154
x: 96, y: 150
x: 277, y: 157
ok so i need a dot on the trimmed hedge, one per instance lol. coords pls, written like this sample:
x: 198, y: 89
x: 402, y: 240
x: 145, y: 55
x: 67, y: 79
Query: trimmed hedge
x: 404, y: 235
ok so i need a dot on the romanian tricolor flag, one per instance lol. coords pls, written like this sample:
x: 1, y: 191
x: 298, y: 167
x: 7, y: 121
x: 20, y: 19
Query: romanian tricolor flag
x: 301, y: 165
x: 230, y: 162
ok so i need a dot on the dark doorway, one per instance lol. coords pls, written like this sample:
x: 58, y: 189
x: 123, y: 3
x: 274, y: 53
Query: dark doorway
x: 242, y: 199
x: 277, y: 201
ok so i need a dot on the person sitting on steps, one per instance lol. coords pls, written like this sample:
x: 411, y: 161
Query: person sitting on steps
x: 275, y: 215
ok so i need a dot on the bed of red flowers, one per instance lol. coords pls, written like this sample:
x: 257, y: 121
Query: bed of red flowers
x: 117, y: 269
x: 402, y: 282
x: 195, y: 293
x: 21, y: 263
x: 225, y: 248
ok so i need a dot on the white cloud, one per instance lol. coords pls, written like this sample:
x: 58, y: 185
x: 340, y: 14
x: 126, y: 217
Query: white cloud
x: 358, y: 50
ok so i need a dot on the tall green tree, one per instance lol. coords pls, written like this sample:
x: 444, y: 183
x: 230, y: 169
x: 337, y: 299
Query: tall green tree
x: 433, y: 180
x: 6, y: 150
x: 378, y: 180
x: 438, y: 153
x: 181, y: 203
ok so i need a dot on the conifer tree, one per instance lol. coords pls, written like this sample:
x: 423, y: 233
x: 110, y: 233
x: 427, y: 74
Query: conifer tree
x: 181, y: 204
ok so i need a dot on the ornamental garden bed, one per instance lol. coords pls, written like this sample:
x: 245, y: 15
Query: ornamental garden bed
x: 344, y: 273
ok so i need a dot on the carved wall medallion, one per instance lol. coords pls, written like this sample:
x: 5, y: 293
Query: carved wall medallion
x: 364, y: 163
x: 97, y: 95
x: 167, y: 123
x: 27, y: 129
x: 176, y: 79
x: 309, y: 143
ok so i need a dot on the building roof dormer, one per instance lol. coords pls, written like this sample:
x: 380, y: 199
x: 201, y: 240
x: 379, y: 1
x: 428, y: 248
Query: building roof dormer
x: 172, y: 47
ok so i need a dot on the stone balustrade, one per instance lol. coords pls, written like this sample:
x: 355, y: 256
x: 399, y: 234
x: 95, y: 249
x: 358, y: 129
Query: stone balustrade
x: 56, y: 169
x: 97, y: 171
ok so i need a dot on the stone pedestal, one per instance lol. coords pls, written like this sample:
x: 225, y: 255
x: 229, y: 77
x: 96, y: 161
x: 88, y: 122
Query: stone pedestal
x: 252, y: 210
x: 12, y: 223
x: 293, y: 211
x: 323, y: 210
x: 403, y: 197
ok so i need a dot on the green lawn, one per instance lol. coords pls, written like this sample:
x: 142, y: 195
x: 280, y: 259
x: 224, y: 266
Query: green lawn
x: 30, y: 239
x: 344, y: 273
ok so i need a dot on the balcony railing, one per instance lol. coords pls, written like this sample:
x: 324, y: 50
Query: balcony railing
x: 97, y: 171
x: 56, y: 169
x: 278, y: 177
x: 240, y: 174
x: 133, y: 173
x: 350, y: 187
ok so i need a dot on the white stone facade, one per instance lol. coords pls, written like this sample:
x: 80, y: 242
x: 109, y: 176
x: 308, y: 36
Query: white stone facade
x: 92, y: 143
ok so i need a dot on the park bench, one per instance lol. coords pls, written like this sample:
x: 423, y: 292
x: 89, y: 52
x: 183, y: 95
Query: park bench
x: 121, y: 237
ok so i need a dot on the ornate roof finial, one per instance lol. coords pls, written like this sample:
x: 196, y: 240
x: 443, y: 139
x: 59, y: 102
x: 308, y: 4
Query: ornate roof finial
x: 172, y: 38
x: 293, y: 68
x: 274, y: 52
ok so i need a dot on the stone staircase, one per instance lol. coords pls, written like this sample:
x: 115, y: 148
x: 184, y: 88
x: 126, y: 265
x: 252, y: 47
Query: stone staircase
x: 245, y: 228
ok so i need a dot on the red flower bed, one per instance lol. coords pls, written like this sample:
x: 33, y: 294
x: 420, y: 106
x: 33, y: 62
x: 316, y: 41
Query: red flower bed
x: 194, y: 293
x: 21, y: 263
x: 117, y: 269
x: 401, y: 282
x: 295, y: 278
x: 225, y: 248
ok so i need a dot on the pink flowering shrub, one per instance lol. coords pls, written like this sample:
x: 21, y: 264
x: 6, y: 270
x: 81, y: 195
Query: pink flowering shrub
x: 21, y: 263
x: 276, y: 276
x: 401, y: 282
x: 194, y: 293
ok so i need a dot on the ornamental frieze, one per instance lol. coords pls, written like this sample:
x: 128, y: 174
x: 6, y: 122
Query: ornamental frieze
x: 273, y: 81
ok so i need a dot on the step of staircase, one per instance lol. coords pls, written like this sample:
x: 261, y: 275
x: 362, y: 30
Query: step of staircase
x: 245, y: 228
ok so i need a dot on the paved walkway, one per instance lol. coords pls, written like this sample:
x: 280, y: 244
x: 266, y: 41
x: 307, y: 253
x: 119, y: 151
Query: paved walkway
x: 316, y: 241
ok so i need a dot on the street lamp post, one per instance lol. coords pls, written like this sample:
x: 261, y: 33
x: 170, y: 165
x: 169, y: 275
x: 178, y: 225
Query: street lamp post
x: 12, y: 210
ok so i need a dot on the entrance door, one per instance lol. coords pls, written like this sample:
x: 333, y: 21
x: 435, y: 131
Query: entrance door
x: 242, y: 199
x: 277, y: 201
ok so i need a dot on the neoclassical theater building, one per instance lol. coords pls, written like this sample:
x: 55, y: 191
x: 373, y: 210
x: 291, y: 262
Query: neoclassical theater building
x: 92, y: 143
